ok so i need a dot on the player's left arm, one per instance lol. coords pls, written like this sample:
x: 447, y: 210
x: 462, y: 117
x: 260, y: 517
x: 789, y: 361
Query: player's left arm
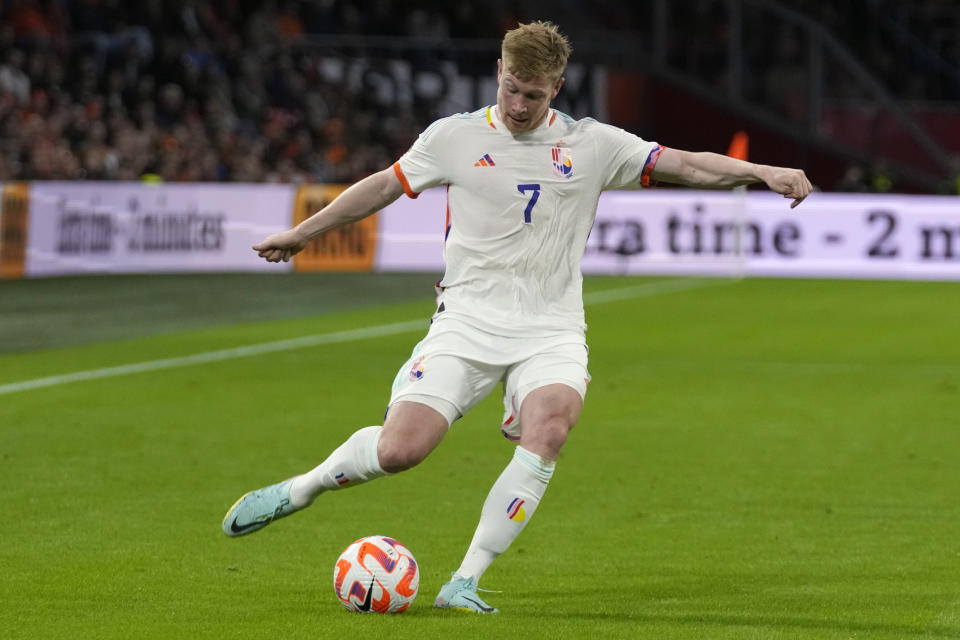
x: 715, y: 171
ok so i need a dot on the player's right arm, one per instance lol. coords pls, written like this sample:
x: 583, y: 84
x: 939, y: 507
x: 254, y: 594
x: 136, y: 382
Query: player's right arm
x: 360, y: 200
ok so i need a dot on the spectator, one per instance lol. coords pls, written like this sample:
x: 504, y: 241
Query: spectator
x: 13, y: 80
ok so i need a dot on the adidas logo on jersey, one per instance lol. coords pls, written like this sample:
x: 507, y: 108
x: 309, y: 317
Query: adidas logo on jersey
x: 485, y: 161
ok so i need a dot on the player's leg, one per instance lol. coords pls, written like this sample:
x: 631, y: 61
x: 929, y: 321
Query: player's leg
x: 549, y: 391
x: 430, y: 391
x: 548, y: 414
x: 419, y: 416
x: 409, y: 433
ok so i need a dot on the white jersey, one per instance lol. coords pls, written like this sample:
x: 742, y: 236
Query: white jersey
x: 519, y: 210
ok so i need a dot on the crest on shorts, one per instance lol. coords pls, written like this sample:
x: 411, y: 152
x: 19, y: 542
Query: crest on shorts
x: 416, y: 371
x: 562, y: 160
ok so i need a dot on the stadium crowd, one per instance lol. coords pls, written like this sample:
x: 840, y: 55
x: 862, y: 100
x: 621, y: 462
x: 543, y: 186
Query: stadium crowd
x: 197, y: 90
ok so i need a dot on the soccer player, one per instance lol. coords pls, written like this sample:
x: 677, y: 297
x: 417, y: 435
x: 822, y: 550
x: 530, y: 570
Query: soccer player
x: 523, y: 181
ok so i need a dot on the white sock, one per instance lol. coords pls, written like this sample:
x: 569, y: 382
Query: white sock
x: 508, y: 507
x: 353, y: 462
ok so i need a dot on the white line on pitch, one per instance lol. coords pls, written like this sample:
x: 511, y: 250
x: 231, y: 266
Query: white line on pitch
x: 218, y: 356
x: 623, y: 293
x: 653, y: 288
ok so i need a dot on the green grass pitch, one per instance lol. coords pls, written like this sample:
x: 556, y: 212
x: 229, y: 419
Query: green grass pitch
x: 755, y: 459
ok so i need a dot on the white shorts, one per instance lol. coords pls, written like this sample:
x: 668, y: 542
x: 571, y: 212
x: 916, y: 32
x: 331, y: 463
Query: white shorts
x: 455, y: 366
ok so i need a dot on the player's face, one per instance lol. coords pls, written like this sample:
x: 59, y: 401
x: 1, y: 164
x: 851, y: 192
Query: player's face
x: 523, y: 105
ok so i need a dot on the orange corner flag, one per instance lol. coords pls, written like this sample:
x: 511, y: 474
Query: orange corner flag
x: 739, y: 146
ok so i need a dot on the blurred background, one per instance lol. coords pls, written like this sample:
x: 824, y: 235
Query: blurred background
x: 864, y: 95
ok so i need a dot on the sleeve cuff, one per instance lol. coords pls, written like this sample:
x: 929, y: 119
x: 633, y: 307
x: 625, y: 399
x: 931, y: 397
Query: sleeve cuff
x: 649, y: 166
x: 406, y: 184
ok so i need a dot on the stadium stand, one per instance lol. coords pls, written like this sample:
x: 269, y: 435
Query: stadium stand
x: 221, y: 91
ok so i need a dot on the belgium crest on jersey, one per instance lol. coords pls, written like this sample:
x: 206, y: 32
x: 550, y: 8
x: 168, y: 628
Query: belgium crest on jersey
x: 562, y: 160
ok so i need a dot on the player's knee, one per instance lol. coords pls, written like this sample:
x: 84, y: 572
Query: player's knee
x: 547, y: 436
x: 554, y: 420
x: 398, y: 455
x: 410, y: 432
x: 556, y: 431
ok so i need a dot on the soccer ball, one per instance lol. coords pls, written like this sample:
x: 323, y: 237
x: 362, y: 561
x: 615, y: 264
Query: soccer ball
x: 376, y: 574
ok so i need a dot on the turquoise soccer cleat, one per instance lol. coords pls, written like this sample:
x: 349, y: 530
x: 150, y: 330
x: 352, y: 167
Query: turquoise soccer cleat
x: 461, y: 594
x: 256, y: 509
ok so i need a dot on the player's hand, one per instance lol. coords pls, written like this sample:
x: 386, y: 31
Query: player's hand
x: 281, y: 246
x: 790, y: 183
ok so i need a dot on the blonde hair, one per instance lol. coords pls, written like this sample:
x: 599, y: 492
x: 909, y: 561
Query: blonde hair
x: 535, y: 51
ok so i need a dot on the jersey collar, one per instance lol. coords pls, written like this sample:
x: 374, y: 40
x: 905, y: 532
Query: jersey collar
x: 493, y: 119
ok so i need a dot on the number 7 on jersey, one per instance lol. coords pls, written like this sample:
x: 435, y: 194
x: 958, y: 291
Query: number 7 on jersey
x: 535, y: 188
